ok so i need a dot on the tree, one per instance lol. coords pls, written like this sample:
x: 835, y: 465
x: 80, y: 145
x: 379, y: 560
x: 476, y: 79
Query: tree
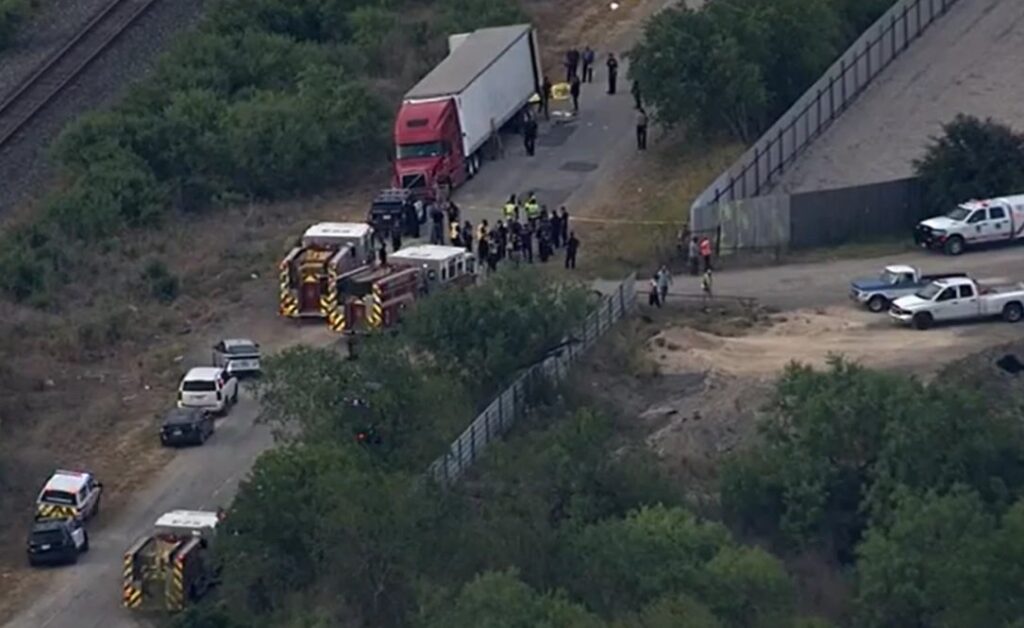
x: 507, y: 324
x: 502, y: 600
x: 838, y: 444
x: 972, y: 159
x: 673, y: 611
x: 931, y: 567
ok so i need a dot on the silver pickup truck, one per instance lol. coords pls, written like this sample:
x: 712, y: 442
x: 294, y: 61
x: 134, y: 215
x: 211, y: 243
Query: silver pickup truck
x: 960, y: 299
x: 876, y: 293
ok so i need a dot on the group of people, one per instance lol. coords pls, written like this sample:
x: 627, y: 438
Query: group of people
x: 698, y: 255
x: 527, y: 229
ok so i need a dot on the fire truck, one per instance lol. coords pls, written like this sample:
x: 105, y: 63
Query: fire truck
x: 375, y: 298
x: 325, y: 254
x: 173, y: 566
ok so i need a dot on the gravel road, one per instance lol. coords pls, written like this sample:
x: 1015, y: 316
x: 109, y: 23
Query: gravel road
x: 968, y: 62
x: 25, y: 167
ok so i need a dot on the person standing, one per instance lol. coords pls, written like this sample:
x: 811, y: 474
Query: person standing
x: 641, y: 129
x: 501, y: 239
x: 483, y: 249
x: 556, y: 230
x: 705, y: 252
x: 588, y: 65
x: 653, y: 295
x: 455, y: 233
x: 467, y: 236
x: 572, y: 62
x: 396, y: 238
x: 382, y: 254
x: 511, y: 209
x: 437, y: 225
x: 635, y: 90
x: 564, y: 224
x: 452, y: 210
x: 530, y: 134
x: 574, y: 91
x: 572, y: 246
x: 664, y: 278
x: 527, y: 241
x: 613, y: 72
x: 705, y: 288
x: 693, y: 256
x: 545, y: 97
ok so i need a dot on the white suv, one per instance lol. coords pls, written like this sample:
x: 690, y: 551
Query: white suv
x: 209, y: 388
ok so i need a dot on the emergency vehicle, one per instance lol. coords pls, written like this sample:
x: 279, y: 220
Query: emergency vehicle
x: 442, y: 266
x: 69, y: 495
x: 173, y: 566
x: 326, y: 252
x: 974, y: 222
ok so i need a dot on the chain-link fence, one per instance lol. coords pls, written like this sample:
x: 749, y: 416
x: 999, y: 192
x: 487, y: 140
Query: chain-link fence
x: 760, y: 167
x: 514, y: 401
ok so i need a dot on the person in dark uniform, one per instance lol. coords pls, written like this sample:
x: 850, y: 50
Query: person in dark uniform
x: 613, y: 72
x: 641, y: 129
x: 527, y: 240
x: 574, y: 91
x: 530, y: 134
x: 396, y: 238
x: 545, y: 97
x: 572, y: 245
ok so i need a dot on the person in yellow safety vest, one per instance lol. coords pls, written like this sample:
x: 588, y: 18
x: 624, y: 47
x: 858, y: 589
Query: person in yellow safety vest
x: 482, y: 231
x: 532, y: 208
x: 453, y: 233
x: 511, y: 208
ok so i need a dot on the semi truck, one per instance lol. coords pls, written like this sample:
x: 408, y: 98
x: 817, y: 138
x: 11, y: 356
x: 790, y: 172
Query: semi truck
x: 975, y: 222
x: 486, y: 81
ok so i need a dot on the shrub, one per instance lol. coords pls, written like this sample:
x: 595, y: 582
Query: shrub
x: 972, y: 159
x: 162, y: 285
x: 12, y: 13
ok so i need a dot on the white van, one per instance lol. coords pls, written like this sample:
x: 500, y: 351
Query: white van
x: 208, y: 387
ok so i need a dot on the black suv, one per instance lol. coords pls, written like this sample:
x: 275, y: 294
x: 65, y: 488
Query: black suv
x: 183, y: 426
x: 394, y: 208
x: 56, y: 541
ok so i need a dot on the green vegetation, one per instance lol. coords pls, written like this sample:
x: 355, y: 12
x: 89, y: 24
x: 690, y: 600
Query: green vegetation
x: 12, y: 14
x: 548, y: 530
x: 917, y: 487
x: 971, y: 159
x: 735, y: 66
x: 268, y: 99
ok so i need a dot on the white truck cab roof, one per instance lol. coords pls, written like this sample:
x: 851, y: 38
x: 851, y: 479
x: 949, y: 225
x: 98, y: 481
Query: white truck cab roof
x: 67, y: 481
x: 428, y: 252
x: 899, y: 269
x: 333, y: 233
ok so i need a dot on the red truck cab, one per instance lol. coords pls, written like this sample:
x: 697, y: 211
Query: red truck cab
x: 429, y: 152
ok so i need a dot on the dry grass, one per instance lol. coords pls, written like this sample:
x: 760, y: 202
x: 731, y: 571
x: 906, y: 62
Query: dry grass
x: 654, y: 187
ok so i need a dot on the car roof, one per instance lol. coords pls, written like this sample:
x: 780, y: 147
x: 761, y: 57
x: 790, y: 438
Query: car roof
x: 203, y: 373
x: 67, y: 481
x: 900, y: 268
x: 182, y: 414
x: 235, y: 342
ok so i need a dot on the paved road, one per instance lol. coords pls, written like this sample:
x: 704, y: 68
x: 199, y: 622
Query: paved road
x: 87, y: 595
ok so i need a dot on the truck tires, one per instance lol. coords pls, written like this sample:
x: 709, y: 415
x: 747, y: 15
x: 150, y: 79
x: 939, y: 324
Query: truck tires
x: 923, y: 320
x: 878, y: 303
x: 954, y: 246
x: 1013, y: 312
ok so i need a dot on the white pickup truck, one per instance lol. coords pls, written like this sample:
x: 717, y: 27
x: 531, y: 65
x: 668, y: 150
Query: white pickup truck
x: 958, y: 299
x: 975, y: 222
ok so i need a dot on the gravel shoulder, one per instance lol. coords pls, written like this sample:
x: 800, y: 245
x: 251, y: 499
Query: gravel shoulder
x: 969, y: 62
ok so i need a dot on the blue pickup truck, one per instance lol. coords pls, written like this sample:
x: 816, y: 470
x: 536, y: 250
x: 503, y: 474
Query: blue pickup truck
x: 876, y: 293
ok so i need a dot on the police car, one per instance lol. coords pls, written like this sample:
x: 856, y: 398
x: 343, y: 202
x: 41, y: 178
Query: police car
x: 69, y: 495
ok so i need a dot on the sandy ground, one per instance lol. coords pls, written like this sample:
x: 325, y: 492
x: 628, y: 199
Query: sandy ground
x: 969, y: 62
x: 728, y: 378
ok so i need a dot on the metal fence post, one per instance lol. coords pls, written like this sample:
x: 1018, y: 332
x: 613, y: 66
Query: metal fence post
x: 757, y: 166
x: 782, y: 154
x: 906, y: 28
x: 842, y: 83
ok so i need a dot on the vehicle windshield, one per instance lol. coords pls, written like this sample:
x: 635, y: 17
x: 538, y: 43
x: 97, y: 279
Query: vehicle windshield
x: 417, y: 151
x: 62, y: 498
x: 47, y: 537
x: 958, y: 213
x: 196, y: 385
x: 243, y: 349
x: 929, y: 292
x: 889, y: 278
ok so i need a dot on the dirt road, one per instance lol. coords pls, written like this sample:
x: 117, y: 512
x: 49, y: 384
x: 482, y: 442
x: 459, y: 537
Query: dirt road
x: 969, y: 62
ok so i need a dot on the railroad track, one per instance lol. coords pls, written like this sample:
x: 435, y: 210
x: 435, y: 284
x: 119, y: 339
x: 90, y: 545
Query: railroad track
x: 54, y: 74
